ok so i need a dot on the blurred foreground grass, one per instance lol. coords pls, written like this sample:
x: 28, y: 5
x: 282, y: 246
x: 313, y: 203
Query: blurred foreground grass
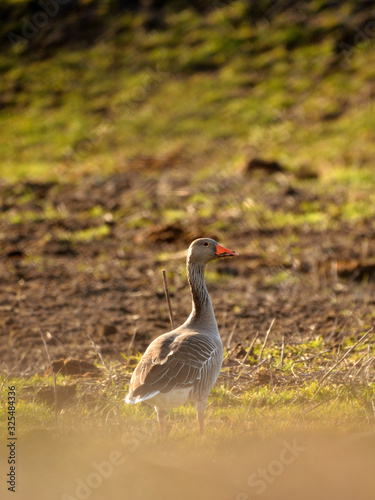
x: 303, y: 421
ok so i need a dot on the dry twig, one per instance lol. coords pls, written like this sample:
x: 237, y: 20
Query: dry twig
x: 131, y: 343
x: 282, y: 353
x: 265, y: 340
x: 251, y: 347
x: 229, y: 340
x: 166, y: 291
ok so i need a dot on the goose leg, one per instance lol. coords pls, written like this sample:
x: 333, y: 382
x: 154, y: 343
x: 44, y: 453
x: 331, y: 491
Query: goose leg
x: 200, y: 406
x: 160, y: 414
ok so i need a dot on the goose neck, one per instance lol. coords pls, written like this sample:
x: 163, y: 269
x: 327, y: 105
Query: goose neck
x: 202, y: 311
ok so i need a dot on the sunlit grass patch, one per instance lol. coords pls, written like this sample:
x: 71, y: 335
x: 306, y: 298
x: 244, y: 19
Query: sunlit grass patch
x: 363, y: 178
x: 279, y: 219
x: 85, y: 235
x: 278, y: 278
x: 359, y: 209
x: 47, y: 212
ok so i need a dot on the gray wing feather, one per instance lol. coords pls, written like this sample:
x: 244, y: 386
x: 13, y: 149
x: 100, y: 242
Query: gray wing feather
x: 172, y: 362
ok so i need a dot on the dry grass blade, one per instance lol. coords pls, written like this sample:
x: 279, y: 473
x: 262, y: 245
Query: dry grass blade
x: 347, y: 353
x: 52, y: 371
x: 366, y: 368
x: 282, y: 353
x: 266, y: 339
x: 313, y: 407
x: 2, y: 385
x: 248, y: 368
x: 166, y: 291
x: 229, y: 340
x: 327, y: 374
x: 97, y: 350
x: 257, y: 366
x: 131, y: 343
x: 311, y: 357
x: 355, y: 366
x: 251, y: 347
x: 270, y: 369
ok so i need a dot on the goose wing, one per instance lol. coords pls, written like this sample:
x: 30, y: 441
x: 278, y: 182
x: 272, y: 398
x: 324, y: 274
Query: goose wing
x: 171, y: 361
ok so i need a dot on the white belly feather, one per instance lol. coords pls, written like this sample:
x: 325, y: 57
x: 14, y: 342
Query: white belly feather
x: 171, y: 399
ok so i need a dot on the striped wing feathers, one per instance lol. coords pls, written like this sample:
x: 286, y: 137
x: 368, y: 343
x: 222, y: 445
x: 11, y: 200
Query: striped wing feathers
x: 171, y: 362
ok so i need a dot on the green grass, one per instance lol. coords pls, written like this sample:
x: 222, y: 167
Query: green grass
x: 209, y: 86
x: 85, y: 235
x: 267, y: 399
x: 213, y: 90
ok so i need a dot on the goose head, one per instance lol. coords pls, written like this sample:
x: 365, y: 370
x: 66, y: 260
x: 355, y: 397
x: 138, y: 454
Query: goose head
x: 204, y: 250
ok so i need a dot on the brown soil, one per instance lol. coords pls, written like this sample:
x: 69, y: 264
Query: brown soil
x: 111, y: 287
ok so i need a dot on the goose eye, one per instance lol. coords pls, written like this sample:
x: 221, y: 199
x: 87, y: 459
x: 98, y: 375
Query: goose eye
x: 205, y: 244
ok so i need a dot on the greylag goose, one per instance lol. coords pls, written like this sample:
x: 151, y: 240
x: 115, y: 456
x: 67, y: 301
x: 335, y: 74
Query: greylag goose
x: 183, y: 365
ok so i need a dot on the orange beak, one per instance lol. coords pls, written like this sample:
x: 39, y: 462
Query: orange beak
x: 224, y: 252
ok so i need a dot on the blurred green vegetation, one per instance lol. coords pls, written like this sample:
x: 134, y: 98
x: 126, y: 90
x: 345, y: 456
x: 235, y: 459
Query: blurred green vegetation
x: 100, y: 84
